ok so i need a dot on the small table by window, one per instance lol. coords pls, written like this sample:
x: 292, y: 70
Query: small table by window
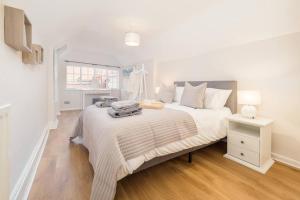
x: 90, y: 93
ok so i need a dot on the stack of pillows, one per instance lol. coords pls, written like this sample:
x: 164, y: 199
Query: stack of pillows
x: 195, y: 96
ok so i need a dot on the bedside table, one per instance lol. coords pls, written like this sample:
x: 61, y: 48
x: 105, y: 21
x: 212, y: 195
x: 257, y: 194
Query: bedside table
x: 249, y: 142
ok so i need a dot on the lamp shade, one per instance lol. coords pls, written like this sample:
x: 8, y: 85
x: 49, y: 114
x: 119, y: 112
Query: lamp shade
x: 247, y: 97
x: 132, y: 39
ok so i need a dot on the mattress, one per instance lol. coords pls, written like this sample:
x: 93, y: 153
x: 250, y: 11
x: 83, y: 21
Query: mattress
x: 211, y: 125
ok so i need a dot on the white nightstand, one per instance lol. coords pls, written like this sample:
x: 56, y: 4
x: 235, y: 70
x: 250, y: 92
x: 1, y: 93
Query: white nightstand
x: 249, y: 142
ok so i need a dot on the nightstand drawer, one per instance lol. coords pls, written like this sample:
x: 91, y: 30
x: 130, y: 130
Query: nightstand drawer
x: 243, y: 141
x: 243, y: 154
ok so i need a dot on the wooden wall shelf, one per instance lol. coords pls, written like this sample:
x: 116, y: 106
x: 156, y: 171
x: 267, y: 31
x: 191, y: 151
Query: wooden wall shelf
x: 17, y: 29
x: 35, y: 56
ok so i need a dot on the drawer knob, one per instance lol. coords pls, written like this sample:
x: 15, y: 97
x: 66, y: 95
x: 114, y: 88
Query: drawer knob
x: 242, y: 142
x: 242, y: 154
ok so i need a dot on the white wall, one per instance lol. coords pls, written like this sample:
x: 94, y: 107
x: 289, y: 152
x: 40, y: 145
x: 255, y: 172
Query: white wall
x: 4, y: 162
x: 75, y: 96
x: 25, y: 88
x: 271, y: 66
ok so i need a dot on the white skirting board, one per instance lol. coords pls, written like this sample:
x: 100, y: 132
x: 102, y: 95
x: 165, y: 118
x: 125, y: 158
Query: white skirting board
x: 22, y: 188
x: 4, y: 161
x: 286, y: 160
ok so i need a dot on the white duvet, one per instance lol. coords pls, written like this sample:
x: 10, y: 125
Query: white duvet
x: 211, y: 125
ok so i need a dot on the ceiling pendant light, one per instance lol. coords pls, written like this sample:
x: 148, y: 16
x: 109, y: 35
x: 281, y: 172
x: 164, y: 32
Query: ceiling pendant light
x: 132, y: 39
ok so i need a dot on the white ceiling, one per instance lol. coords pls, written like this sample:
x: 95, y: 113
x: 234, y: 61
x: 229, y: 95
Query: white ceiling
x: 169, y: 28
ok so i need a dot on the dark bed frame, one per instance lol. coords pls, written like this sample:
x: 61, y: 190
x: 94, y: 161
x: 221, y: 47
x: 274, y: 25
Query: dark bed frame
x: 231, y: 103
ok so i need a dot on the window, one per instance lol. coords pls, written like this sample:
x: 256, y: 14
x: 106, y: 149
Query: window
x: 83, y: 77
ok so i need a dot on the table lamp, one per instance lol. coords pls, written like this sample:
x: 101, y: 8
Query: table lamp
x: 249, y: 99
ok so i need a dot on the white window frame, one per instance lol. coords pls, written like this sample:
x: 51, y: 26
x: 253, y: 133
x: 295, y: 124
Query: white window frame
x: 81, y: 86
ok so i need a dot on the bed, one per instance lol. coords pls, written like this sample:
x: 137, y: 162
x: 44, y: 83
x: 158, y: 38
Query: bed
x: 119, y: 147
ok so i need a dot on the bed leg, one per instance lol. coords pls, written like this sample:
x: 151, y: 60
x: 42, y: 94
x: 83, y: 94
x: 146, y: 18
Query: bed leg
x: 71, y: 139
x: 190, y: 157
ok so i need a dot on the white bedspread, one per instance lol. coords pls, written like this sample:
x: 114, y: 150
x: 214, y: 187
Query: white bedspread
x: 211, y: 125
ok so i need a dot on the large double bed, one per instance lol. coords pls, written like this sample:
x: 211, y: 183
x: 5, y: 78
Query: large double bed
x: 119, y: 147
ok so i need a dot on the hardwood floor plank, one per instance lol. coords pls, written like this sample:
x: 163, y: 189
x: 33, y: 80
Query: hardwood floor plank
x: 65, y: 173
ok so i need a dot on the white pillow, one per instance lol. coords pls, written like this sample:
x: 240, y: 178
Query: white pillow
x: 166, y: 94
x: 193, y: 96
x: 216, y: 98
x: 178, y: 94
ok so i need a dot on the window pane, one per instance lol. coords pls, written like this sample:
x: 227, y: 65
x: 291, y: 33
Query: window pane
x: 84, y: 77
x: 113, y: 76
x: 76, y: 77
x: 84, y: 70
x: 91, y: 77
x: 69, y: 69
x: 69, y: 77
x: 77, y: 70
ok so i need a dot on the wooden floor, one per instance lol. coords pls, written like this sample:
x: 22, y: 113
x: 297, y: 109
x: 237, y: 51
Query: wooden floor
x: 64, y: 173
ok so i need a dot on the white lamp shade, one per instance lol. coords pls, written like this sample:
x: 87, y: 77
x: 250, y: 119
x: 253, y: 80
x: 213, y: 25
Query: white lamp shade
x: 132, y: 39
x: 247, y: 97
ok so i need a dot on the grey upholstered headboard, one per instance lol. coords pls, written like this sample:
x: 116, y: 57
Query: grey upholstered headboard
x: 226, y: 85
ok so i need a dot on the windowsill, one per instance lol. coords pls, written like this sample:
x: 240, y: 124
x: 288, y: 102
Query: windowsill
x: 87, y: 89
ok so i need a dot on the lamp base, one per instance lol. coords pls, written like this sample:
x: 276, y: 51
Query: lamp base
x: 248, y: 111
